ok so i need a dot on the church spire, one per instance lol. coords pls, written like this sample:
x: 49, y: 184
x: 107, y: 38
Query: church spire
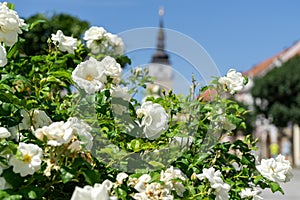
x: 160, y: 56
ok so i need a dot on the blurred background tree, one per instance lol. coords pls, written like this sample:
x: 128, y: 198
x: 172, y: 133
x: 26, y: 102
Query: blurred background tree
x: 278, y: 93
x: 36, y: 39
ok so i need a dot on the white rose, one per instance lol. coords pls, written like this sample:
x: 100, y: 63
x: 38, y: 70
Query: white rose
x: 112, y: 68
x: 10, y: 25
x: 116, y: 43
x: 99, y: 41
x: 26, y: 121
x: 94, y: 46
x: 287, y: 166
x: 221, y: 190
x: 278, y: 169
x: 170, y: 174
x: 140, y: 186
x: 90, y: 75
x: 108, y: 185
x: 40, y: 119
x: 120, y: 177
x: 140, y: 196
x: 96, y: 39
x: 156, y: 191
x: 210, y: 174
x: 57, y: 133
x: 3, y: 59
x: 31, y: 162
x: 216, y: 182
x: 35, y: 118
x: 94, y: 33
x: 248, y: 192
x: 233, y: 81
x: 4, y: 133
x: 63, y: 42
x: 81, y: 131
x: 120, y: 92
x: 154, y: 120
x: 168, y: 177
x: 99, y: 191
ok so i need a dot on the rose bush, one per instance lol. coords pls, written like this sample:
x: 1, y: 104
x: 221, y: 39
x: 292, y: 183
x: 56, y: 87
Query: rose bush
x: 71, y: 128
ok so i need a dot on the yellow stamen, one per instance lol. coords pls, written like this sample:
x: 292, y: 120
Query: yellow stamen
x: 27, y: 158
x: 89, y: 78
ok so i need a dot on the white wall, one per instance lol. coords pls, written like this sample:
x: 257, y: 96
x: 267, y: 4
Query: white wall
x: 296, y: 140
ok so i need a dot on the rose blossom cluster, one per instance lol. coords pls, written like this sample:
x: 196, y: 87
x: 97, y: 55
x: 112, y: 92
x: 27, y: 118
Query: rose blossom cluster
x: 170, y: 180
x: 99, y: 41
x: 32, y: 120
x: 74, y: 133
x: 10, y: 27
x: 30, y: 156
x: 233, y: 81
x: 28, y: 160
x: 154, y: 119
x: 276, y: 169
x: 31, y: 159
x: 92, y: 75
x: 64, y: 43
x: 216, y: 182
x: 98, y: 191
x: 250, y: 193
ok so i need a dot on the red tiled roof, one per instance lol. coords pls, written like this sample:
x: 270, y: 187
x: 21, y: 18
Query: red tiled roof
x: 265, y: 65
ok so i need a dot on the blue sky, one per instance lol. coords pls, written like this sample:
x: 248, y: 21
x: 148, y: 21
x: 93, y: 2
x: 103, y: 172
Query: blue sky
x: 236, y: 34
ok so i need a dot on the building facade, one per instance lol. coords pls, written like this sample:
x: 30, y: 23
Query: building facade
x: 273, y: 140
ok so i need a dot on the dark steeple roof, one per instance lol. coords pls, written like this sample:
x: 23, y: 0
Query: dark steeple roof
x: 160, y: 56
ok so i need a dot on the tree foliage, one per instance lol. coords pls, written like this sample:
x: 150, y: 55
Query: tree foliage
x: 36, y: 39
x: 279, y: 93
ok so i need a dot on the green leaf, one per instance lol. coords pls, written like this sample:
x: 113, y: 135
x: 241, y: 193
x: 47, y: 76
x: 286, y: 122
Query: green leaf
x: 122, y: 193
x: 12, y: 51
x: 276, y: 187
x: 61, y: 74
x: 10, y: 98
x: 5, y: 195
x: 65, y: 175
x: 15, y: 180
x: 32, y: 194
x: 156, y: 164
x: 245, y: 161
x: 91, y: 177
x: 123, y: 61
x: 11, y: 6
x: 32, y: 25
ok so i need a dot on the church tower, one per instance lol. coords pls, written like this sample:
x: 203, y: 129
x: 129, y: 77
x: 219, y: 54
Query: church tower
x: 160, y: 66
